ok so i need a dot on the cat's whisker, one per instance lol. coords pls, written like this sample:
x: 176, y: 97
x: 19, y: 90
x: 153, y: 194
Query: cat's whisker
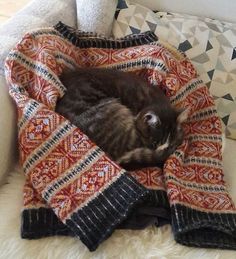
x: 162, y: 147
x: 165, y: 145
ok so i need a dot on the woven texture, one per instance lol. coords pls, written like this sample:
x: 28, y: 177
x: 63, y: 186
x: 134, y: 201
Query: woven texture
x: 72, y: 187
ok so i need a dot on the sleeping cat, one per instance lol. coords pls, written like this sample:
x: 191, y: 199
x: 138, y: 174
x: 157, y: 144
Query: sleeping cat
x: 132, y: 121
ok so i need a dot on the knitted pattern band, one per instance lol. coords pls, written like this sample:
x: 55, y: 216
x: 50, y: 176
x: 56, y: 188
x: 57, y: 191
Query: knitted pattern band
x: 72, y: 188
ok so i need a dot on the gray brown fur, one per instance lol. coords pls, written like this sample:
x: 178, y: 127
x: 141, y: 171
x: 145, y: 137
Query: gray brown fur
x: 115, y: 110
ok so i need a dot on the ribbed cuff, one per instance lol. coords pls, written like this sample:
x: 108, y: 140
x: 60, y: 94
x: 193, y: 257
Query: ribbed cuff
x: 42, y: 222
x: 92, y: 40
x: 92, y: 223
x: 96, y: 221
x: 153, y: 209
x: 203, y: 229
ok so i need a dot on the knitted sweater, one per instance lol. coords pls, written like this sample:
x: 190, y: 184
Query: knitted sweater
x: 73, y: 188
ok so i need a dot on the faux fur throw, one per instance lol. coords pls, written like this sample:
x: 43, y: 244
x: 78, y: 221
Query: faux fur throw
x: 73, y: 188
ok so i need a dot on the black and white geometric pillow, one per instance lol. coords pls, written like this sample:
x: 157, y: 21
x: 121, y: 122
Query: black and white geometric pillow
x: 210, y: 44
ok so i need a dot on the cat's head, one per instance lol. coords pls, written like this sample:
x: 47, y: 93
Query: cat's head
x: 161, y: 126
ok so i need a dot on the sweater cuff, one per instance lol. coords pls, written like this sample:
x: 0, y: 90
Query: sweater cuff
x: 94, y: 222
x: 203, y: 229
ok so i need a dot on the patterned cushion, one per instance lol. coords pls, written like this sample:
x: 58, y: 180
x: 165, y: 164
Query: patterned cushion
x: 210, y: 44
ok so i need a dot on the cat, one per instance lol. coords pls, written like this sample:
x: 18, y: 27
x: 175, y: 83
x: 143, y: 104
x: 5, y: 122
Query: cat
x: 131, y: 120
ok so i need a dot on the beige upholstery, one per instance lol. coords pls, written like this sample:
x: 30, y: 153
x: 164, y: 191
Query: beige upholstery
x: 149, y: 243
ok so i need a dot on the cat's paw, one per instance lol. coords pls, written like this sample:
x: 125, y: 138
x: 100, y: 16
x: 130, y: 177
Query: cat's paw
x: 123, y: 160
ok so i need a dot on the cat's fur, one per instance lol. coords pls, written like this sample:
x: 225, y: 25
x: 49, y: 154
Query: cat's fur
x: 132, y: 121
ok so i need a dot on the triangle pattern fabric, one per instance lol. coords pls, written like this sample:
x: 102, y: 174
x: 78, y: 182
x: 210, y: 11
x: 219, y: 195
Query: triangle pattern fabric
x: 184, y: 46
x: 195, y: 42
x: 229, y: 78
x: 142, y: 10
x: 221, y: 51
x: 122, y: 4
x: 208, y: 84
x: 134, y: 30
x: 224, y: 41
x: 192, y: 29
x: 140, y: 22
x: 233, y: 54
x: 225, y: 119
x: 211, y: 73
x: 209, y: 44
x: 228, y: 97
x: 128, y: 19
x: 152, y: 26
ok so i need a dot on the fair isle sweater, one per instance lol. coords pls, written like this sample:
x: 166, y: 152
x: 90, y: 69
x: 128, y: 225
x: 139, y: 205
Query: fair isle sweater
x: 72, y: 188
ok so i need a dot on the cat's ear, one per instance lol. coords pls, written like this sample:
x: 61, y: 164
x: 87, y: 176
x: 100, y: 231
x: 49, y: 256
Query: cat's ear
x: 182, y: 115
x: 151, y: 119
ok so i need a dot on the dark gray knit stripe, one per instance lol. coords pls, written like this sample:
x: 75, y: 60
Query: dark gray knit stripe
x: 146, y: 63
x: 201, y: 187
x: 209, y: 112
x: 202, y: 229
x: 179, y: 154
x: 160, y: 196
x: 18, y: 89
x: 131, y: 181
x: 110, y: 211
x: 91, y: 40
x: 42, y: 222
x: 157, y: 198
x: 50, y: 143
x: 215, y: 138
x: 88, y: 160
x: 40, y: 69
x: 30, y: 109
x: 188, y: 88
x: 204, y: 161
x: 45, y: 32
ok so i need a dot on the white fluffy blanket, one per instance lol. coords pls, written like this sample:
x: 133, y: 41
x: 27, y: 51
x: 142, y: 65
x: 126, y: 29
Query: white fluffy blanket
x: 148, y: 243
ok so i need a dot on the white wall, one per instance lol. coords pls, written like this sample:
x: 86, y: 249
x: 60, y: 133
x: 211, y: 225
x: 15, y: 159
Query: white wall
x: 221, y: 9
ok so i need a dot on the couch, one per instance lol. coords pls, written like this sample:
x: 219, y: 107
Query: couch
x: 148, y: 243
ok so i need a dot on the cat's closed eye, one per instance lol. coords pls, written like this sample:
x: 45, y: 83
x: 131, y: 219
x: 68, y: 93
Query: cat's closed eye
x: 154, y: 145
